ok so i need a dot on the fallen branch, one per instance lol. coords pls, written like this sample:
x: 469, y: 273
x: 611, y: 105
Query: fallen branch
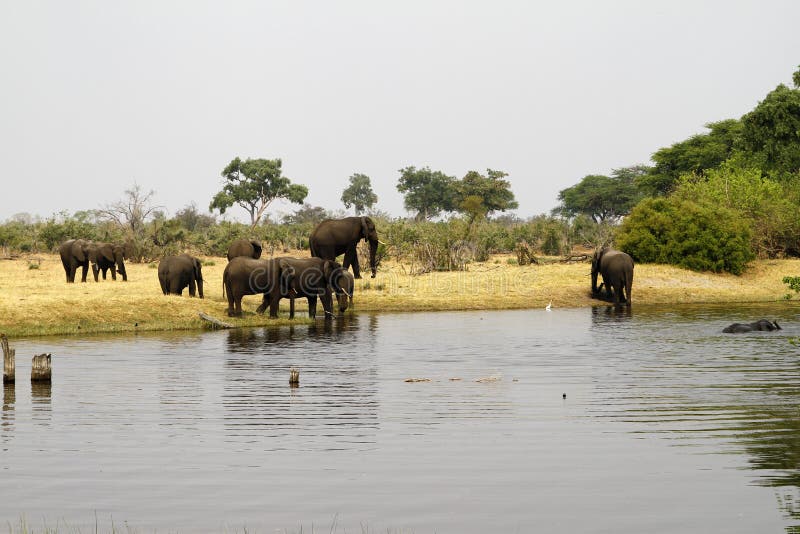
x: 215, y: 323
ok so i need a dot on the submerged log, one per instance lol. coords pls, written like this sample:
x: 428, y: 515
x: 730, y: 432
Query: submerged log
x: 40, y: 368
x: 8, y: 360
x: 215, y: 323
x: 294, y: 378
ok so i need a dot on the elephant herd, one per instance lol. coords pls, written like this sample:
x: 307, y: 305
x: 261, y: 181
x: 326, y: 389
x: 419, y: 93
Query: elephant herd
x: 102, y: 257
x: 319, y: 277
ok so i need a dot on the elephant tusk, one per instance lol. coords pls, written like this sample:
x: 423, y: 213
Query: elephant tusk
x: 382, y: 243
x: 346, y: 293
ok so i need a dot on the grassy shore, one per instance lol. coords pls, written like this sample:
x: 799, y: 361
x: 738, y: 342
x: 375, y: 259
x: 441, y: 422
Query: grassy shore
x: 38, y: 301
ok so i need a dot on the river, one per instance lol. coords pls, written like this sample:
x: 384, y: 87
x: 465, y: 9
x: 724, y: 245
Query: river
x: 570, y: 420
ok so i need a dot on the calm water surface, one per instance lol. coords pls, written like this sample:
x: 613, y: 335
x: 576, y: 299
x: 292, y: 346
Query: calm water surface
x: 668, y: 425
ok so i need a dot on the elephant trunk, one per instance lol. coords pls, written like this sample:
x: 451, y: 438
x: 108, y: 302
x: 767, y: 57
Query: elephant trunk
x: 121, y: 270
x: 373, y: 249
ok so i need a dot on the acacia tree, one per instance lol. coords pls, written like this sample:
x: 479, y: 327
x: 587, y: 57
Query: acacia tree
x: 425, y: 191
x: 478, y: 195
x: 359, y: 193
x: 132, y: 211
x: 253, y: 184
x: 603, y: 198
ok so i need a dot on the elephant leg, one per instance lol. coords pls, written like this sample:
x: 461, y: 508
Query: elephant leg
x: 238, y: 305
x: 164, y: 287
x: 96, y: 272
x: 291, y: 307
x: 192, y: 287
x: 113, y: 274
x: 175, y: 287
x: 71, y: 269
x: 351, y: 259
x: 84, y: 271
x: 312, y: 306
x: 274, y: 302
x: 263, y: 306
x: 327, y: 304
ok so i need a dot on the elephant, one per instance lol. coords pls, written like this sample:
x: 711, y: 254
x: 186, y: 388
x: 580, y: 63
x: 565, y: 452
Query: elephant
x: 105, y: 256
x: 313, y: 278
x: 762, y: 325
x: 249, y: 248
x: 616, y: 268
x: 340, y: 236
x: 250, y: 276
x: 177, y: 272
x: 75, y: 253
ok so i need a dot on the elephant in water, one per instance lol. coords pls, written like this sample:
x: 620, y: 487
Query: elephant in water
x: 762, y: 325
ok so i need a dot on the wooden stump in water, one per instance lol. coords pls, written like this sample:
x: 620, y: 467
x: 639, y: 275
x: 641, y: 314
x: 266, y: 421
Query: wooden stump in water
x: 40, y: 368
x: 294, y: 378
x: 8, y: 360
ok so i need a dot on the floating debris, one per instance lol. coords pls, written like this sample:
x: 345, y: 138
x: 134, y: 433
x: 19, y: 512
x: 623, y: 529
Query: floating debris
x: 490, y: 378
x: 417, y: 380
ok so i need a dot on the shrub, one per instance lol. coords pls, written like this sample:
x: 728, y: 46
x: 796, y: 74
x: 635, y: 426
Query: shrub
x: 681, y: 232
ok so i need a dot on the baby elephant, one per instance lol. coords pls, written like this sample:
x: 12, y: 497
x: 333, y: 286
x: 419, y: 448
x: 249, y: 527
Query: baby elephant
x: 762, y: 325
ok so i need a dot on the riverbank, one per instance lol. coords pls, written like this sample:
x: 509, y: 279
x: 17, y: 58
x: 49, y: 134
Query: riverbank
x: 35, y: 299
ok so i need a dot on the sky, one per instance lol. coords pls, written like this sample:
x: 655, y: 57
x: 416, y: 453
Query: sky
x: 98, y: 96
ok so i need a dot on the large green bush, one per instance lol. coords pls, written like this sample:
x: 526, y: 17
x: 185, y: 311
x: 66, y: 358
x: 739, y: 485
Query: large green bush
x: 681, y: 232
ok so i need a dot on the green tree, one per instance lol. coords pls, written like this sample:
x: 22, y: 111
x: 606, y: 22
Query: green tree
x: 603, y: 198
x: 425, y: 191
x: 359, y: 193
x: 307, y: 214
x: 694, y: 155
x: 771, y: 132
x: 253, y: 184
x: 681, y: 232
x: 479, y: 195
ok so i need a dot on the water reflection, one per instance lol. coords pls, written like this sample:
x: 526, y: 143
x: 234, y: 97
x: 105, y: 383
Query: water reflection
x: 335, y: 405
x: 7, y: 415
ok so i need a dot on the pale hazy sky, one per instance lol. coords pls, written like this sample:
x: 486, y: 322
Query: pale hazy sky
x: 99, y: 95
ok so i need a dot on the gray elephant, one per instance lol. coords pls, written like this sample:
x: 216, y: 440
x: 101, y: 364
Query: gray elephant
x: 249, y: 276
x: 175, y: 273
x: 105, y: 256
x: 762, y: 325
x: 616, y: 268
x: 249, y: 248
x: 314, y: 278
x: 75, y: 253
x: 333, y: 237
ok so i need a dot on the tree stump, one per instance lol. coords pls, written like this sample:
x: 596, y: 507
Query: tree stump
x: 294, y: 378
x: 8, y: 360
x: 40, y: 368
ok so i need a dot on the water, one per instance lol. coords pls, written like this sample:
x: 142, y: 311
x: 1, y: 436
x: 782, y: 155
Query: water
x: 668, y: 425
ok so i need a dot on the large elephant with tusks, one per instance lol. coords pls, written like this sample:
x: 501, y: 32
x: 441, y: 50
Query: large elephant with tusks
x: 333, y: 237
x: 616, y: 268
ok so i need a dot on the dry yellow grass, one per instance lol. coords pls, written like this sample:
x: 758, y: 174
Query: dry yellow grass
x: 40, y: 302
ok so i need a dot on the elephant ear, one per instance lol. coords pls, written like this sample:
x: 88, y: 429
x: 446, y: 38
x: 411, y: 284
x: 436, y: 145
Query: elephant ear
x: 364, y: 228
x: 256, y: 248
x: 81, y: 251
x: 286, y: 275
x: 107, y: 253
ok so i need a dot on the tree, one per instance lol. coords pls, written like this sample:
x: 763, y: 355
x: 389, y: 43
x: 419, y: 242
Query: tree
x: 603, y: 198
x: 133, y: 211
x: 681, y: 232
x: 253, y: 184
x: 771, y: 132
x: 359, y: 193
x: 694, y: 155
x: 425, y: 191
x: 192, y: 220
x: 479, y: 195
x: 307, y: 214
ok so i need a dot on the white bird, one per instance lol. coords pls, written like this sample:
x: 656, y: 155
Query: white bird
x: 549, y: 304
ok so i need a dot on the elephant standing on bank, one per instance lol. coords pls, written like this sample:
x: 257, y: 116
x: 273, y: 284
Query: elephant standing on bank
x: 105, y: 256
x: 249, y: 276
x: 315, y: 278
x: 75, y: 253
x: 175, y: 273
x: 340, y: 236
x: 616, y: 268
x: 249, y: 248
